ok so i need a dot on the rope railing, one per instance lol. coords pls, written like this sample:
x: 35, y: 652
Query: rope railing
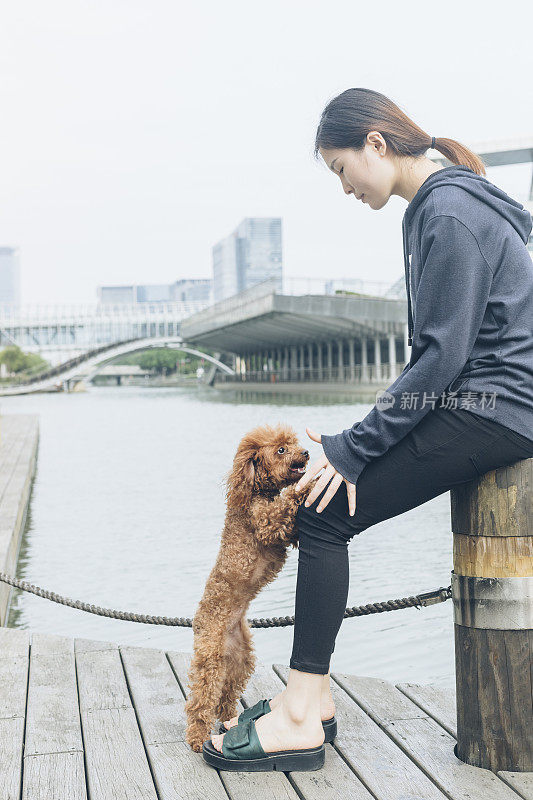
x: 415, y: 601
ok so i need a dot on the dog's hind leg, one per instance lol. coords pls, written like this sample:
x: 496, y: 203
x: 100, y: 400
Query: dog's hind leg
x: 240, y: 665
x: 207, y: 676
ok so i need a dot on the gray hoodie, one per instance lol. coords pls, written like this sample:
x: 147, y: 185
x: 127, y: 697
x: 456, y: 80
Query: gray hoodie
x: 469, y: 281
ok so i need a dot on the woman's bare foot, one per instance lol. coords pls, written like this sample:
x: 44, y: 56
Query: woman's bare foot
x: 327, y: 707
x: 281, y: 730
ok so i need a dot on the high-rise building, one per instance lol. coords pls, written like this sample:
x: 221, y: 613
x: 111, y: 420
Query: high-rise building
x: 9, y: 276
x: 225, y: 268
x: 250, y: 254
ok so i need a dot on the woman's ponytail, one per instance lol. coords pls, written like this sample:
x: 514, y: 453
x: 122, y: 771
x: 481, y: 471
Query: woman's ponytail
x: 349, y: 117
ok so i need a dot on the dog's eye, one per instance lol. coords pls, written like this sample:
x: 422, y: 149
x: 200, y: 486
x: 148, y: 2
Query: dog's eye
x: 281, y: 450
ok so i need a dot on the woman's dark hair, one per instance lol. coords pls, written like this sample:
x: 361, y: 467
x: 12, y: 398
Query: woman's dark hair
x: 349, y: 117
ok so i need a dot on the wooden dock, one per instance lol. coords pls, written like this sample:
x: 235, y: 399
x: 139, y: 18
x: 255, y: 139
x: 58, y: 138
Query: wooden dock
x: 90, y: 720
x: 19, y: 434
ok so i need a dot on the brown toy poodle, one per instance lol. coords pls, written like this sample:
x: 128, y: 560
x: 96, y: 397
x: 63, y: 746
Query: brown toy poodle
x: 259, y: 527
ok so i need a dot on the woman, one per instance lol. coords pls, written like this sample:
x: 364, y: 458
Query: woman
x: 469, y: 282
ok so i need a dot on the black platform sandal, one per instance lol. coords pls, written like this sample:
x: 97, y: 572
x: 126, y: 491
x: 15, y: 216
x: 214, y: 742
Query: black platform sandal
x: 242, y: 752
x: 263, y: 707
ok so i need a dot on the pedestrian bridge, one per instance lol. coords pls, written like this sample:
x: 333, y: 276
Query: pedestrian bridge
x: 83, y: 368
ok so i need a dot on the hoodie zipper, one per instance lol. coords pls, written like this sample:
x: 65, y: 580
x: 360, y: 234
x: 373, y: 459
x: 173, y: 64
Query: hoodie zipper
x: 407, y: 284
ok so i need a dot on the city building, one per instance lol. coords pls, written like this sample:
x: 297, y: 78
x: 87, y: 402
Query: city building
x: 199, y: 289
x: 9, y: 276
x: 183, y: 290
x: 250, y: 254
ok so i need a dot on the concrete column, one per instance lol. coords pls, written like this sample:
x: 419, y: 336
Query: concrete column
x: 330, y: 360
x: 294, y: 363
x: 310, y: 374
x: 319, y: 362
x: 377, y: 358
x: 364, y: 361
x: 351, y: 358
x: 392, y: 357
x: 302, y: 363
x: 340, y: 368
x: 286, y: 363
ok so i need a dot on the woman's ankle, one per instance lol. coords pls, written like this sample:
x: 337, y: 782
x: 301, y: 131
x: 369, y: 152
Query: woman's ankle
x: 298, y: 712
x: 326, y: 696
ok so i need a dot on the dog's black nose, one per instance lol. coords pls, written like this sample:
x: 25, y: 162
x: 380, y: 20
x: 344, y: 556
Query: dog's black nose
x: 305, y: 453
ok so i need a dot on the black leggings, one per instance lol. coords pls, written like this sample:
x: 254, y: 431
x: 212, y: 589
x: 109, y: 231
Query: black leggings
x: 446, y: 448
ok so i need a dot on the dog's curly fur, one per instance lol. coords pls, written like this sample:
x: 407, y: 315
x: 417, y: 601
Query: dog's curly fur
x: 261, y: 506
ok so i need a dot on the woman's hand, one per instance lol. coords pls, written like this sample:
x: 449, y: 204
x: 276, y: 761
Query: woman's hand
x: 330, y: 474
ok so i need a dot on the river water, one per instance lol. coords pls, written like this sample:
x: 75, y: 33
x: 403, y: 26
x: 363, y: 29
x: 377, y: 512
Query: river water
x: 126, y: 512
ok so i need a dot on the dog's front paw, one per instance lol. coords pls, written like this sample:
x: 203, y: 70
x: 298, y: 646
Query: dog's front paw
x: 293, y: 495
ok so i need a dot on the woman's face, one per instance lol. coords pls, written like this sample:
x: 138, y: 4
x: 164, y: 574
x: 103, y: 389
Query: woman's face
x: 369, y: 174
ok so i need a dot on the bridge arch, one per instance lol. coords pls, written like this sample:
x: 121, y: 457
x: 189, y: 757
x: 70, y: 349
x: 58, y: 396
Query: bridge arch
x: 86, y: 368
x: 147, y: 344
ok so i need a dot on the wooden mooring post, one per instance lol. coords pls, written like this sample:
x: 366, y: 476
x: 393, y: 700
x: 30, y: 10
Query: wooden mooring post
x: 492, y: 591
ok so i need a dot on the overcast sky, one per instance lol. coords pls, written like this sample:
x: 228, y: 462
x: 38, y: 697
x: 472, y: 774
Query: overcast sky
x: 136, y: 133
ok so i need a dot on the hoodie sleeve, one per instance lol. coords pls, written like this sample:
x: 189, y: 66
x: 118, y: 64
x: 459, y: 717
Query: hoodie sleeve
x: 450, y: 304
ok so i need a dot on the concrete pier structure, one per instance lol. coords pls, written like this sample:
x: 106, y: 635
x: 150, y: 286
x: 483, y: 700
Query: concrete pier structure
x: 345, y: 338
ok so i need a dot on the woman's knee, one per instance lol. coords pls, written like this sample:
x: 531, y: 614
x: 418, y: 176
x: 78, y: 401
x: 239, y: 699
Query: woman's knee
x: 332, y: 525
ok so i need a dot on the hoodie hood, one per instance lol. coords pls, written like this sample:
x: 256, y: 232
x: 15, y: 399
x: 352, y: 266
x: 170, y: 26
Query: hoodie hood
x: 476, y: 185
x: 480, y: 187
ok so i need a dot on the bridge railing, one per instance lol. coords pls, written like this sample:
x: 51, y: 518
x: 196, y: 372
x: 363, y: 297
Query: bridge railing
x: 48, y: 314
x: 44, y: 375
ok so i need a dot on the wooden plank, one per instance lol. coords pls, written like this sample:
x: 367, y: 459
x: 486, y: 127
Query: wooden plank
x: 335, y: 779
x: 85, y: 645
x: 238, y: 785
x: 52, y: 718
x: 522, y: 782
x: 14, y: 665
x: 116, y: 762
x: 378, y: 762
x: 178, y: 771
x: 53, y: 748
x: 17, y: 447
x: 11, y: 744
x: 101, y: 681
x: 54, y: 775
x: 429, y: 746
x: 438, y: 702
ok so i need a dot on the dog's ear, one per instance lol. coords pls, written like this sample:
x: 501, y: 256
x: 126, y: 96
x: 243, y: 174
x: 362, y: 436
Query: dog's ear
x: 240, y: 480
